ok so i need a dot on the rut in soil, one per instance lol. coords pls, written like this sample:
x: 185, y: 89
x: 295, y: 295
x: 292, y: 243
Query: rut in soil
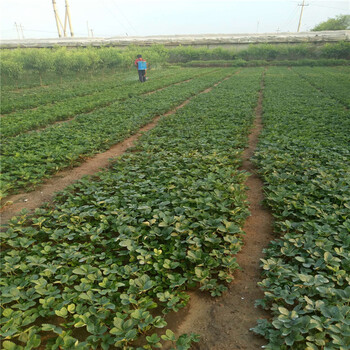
x: 224, y: 323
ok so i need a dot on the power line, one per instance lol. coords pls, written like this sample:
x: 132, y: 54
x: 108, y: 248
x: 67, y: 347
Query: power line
x: 121, y: 12
x: 38, y: 30
x: 291, y: 17
x: 330, y: 7
x: 312, y: 3
x: 120, y: 23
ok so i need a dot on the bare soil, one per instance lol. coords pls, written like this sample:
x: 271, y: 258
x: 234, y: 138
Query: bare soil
x: 45, y: 192
x: 224, y: 323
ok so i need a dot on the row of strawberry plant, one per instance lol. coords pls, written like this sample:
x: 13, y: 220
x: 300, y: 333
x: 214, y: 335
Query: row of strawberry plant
x: 334, y: 82
x: 29, y: 82
x: 42, y: 116
x: 31, y: 98
x: 28, y: 158
x: 304, y: 158
x: 114, y: 253
x: 91, y: 83
x: 15, y: 101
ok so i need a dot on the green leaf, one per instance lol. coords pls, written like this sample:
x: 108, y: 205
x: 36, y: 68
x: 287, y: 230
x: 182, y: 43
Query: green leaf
x: 61, y: 313
x: 169, y: 335
x: 283, y: 311
x: 159, y: 322
x: 79, y: 271
x: 9, y: 345
x: 154, y: 338
x: 46, y: 327
x: 71, y: 308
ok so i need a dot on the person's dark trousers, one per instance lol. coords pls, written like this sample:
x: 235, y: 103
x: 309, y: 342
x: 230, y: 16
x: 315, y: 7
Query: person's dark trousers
x: 142, y: 75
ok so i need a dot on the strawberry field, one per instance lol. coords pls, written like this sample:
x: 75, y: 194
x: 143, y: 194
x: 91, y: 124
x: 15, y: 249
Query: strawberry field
x: 110, y: 258
x: 304, y: 158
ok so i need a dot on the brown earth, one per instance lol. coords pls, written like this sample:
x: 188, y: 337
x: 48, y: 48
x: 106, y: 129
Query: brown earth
x: 224, y: 323
x: 45, y: 192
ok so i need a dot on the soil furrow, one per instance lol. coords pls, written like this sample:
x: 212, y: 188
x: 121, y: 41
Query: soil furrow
x: 224, y: 323
x: 45, y: 192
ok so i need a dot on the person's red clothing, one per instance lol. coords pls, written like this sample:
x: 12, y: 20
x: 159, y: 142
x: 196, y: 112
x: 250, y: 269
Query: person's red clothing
x: 137, y: 60
x: 142, y: 72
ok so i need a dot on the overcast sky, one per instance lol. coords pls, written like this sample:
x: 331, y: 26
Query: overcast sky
x: 163, y: 17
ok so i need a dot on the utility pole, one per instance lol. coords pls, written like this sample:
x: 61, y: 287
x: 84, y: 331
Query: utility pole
x: 57, y: 18
x: 16, y: 25
x: 301, y: 13
x: 88, y: 29
x: 67, y: 19
x: 21, y: 27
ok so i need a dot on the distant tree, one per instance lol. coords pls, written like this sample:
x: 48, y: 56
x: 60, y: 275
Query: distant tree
x: 341, y: 22
x: 10, y: 69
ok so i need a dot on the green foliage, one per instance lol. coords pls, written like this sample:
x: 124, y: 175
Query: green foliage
x: 332, y: 81
x: 11, y: 70
x: 76, y: 99
x: 190, y: 53
x: 61, y: 60
x: 341, y: 22
x: 322, y: 62
x: 270, y: 52
x: 30, y: 157
x: 113, y: 248
x: 82, y: 60
x: 338, y: 50
x: 303, y: 156
x: 40, y: 61
x: 112, y: 58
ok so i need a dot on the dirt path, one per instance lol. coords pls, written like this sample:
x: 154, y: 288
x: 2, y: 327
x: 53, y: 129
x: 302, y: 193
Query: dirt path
x: 46, y: 191
x: 224, y: 322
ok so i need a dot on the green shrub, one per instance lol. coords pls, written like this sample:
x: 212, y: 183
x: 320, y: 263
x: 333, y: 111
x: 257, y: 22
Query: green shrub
x: 259, y: 63
x: 337, y: 50
x: 80, y: 60
x: 11, y: 70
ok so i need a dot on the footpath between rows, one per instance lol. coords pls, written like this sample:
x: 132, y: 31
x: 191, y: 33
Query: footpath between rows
x: 224, y: 323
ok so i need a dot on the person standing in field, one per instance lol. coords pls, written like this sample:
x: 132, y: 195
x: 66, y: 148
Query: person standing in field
x: 141, y: 66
